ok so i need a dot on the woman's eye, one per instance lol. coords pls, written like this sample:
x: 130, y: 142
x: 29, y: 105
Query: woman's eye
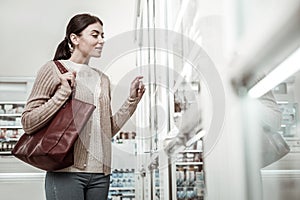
x: 95, y: 36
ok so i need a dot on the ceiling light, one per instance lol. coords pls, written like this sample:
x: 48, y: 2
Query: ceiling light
x: 287, y: 68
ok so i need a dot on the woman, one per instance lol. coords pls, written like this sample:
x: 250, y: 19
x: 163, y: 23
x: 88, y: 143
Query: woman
x: 88, y: 178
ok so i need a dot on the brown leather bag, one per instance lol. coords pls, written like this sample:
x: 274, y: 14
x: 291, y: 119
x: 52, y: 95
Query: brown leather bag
x: 51, y: 147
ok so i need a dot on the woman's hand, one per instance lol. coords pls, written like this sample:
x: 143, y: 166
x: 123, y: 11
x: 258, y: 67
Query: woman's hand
x: 68, y: 79
x: 137, y: 88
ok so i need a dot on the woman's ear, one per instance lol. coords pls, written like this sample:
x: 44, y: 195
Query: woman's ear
x: 74, y: 39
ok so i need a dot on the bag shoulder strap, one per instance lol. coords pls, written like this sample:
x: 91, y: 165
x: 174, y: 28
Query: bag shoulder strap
x: 61, y: 68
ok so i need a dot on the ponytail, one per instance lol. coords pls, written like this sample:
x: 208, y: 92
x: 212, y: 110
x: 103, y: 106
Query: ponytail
x: 63, y: 51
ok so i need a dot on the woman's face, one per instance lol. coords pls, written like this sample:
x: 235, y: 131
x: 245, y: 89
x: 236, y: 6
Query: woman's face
x: 90, y: 41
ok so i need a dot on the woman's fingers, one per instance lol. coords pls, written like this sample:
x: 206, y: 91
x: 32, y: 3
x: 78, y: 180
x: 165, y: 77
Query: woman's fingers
x: 137, y: 87
x: 73, y: 76
x: 68, y: 78
x: 136, y: 82
x: 141, y: 88
x: 137, y: 78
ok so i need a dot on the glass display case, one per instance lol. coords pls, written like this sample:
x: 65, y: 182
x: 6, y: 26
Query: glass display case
x: 170, y: 118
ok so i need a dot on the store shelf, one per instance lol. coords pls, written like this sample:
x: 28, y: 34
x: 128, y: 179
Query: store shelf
x: 189, y: 163
x: 191, y: 151
x: 5, y: 152
x: 187, y: 187
x: 121, y: 188
x: 11, y: 115
x: 13, y: 102
x: 9, y: 139
x: 11, y: 127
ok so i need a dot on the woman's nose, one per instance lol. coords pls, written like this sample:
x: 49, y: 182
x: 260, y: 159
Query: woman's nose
x: 101, y: 40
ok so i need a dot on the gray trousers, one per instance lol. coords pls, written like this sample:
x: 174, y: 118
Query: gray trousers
x: 76, y: 186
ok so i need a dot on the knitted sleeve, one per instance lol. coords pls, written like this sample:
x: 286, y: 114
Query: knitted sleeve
x: 123, y: 114
x: 47, y: 96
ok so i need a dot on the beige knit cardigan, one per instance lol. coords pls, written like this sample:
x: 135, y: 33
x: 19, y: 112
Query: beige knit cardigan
x: 48, y: 95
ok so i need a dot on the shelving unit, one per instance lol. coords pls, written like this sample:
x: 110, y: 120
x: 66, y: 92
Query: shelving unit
x: 190, y: 182
x: 10, y: 125
x: 122, y: 181
x: 188, y: 163
x: 122, y: 184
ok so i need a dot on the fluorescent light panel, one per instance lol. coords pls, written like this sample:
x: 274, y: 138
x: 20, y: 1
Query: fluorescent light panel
x: 287, y: 68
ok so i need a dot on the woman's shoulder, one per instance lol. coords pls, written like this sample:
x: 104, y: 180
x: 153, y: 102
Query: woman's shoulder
x: 49, y: 70
x: 47, y: 67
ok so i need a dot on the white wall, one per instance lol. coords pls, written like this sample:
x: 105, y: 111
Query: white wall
x: 32, y: 29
